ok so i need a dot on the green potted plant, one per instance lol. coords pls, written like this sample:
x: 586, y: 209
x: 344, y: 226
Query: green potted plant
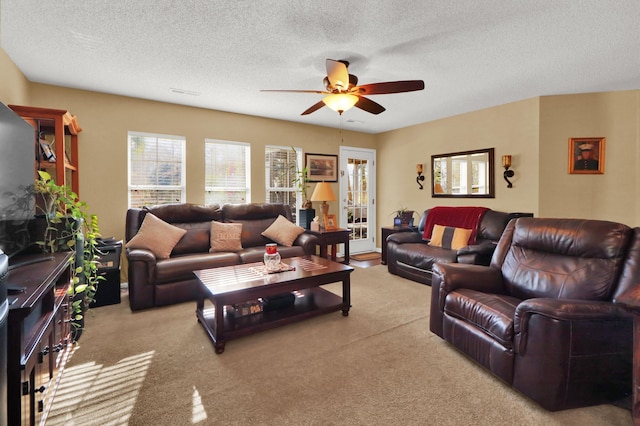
x: 301, y: 180
x: 405, y: 215
x: 67, y: 226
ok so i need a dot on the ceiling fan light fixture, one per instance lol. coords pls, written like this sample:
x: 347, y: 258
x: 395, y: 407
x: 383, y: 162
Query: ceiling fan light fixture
x: 340, y: 102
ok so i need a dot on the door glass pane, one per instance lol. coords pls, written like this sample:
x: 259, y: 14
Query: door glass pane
x: 357, y: 198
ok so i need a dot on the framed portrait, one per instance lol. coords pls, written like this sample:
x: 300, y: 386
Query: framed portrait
x: 321, y: 167
x: 330, y: 222
x: 586, y: 156
x: 46, y: 151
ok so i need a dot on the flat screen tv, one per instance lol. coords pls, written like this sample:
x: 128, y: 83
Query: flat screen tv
x: 17, y: 201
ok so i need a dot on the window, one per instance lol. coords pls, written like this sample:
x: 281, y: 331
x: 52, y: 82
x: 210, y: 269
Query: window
x: 227, y: 172
x: 156, y: 169
x: 280, y: 176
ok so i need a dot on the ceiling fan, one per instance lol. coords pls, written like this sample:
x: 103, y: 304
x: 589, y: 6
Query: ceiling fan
x: 343, y: 92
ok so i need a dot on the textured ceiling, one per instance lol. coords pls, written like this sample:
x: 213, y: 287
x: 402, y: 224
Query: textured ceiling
x: 472, y: 54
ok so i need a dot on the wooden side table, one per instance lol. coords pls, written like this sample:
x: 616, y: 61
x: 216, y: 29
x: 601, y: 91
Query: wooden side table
x: 388, y: 230
x: 332, y: 237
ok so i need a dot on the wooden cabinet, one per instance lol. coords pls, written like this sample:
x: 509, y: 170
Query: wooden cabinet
x: 59, y: 129
x: 39, y: 338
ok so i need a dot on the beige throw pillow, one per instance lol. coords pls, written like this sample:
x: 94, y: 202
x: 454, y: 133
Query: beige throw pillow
x: 449, y: 237
x: 283, y: 232
x: 156, y: 235
x: 225, y: 236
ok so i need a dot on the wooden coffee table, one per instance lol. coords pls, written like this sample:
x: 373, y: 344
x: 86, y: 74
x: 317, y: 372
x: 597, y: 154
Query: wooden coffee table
x: 230, y: 285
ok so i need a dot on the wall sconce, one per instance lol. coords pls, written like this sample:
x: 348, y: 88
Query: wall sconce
x: 506, y: 163
x: 420, y: 177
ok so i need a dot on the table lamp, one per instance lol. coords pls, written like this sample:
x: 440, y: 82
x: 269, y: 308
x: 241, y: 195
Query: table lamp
x: 323, y: 192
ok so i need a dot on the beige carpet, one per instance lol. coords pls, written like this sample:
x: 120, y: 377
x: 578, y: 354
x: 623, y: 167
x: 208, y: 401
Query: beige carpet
x: 379, y: 366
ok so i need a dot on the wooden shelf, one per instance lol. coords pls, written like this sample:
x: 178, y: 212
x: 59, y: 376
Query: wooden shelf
x: 64, y: 129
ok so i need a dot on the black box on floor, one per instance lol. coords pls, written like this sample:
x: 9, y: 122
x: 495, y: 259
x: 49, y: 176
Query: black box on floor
x: 108, y: 292
x: 278, y: 301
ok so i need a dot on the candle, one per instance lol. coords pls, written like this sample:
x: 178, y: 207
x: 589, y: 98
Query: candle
x: 506, y: 161
x: 419, y: 168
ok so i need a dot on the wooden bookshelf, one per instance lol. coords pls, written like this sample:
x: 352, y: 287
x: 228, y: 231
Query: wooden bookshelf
x: 60, y: 128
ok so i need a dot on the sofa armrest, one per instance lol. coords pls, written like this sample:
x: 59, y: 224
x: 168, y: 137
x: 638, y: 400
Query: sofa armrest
x: 561, y: 311
x: 141, y: 270
x: 308, y: 243
x: 405, y: 237
x: 483, y: 249
x: 451, y: 276
x: 477, y: 254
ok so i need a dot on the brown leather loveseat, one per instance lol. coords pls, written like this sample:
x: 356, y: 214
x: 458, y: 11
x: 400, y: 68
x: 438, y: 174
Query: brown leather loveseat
x: 410, y: 256
x: 157, y: 281
x: 543, y: 316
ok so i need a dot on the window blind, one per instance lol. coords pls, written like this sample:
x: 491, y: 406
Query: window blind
x: 156, y: 169
x: 227, y: 172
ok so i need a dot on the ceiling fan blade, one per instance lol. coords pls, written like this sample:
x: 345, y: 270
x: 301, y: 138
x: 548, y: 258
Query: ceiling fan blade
x: 389, y: 87
x: 322, y: 92
x: 313, y: 108
x: 369, y: 106
x: 337, y: 74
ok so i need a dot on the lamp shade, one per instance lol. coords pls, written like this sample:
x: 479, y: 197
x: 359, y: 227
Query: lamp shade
x: 323, y: 192
x: 340, y: 102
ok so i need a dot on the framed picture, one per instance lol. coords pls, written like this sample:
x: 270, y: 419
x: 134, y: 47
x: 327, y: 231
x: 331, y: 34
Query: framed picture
x: 330, y: 222
x: 321, y: 167
x: 47, y: 151
x: 586, y: 156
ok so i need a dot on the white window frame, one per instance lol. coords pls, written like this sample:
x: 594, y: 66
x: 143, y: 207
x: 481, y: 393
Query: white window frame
x: 247, y: 188
x: 293, y: 188
x: 183, y: 168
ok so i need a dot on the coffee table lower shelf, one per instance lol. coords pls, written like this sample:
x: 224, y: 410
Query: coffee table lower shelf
x: 310, y: 302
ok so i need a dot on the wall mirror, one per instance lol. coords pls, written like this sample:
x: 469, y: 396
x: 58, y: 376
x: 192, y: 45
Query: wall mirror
x: 468, y: 174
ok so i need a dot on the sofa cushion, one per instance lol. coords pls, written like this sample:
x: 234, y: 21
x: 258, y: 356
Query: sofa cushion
x: 225, y: 236
x: 459, y: 217
x: 180, y: 268
x: 449, y: 237
x: 492, y: 313
x: 196, y: 240
x: 283, y: 232
x: 186, y: 213
x: 156, y: 235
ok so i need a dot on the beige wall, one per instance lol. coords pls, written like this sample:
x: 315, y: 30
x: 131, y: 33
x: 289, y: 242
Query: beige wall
x: 106, y: 119
x: 614, y: 195
x: 534, y: 131
x: 511, y: 129
x: 13, y: 84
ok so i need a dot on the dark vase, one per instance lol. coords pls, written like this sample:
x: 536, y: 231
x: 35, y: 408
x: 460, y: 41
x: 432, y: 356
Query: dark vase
x: 405, y: 217
x: 305, y: 217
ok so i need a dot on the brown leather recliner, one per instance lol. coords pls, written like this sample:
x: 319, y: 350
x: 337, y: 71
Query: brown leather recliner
x: 542, y: 317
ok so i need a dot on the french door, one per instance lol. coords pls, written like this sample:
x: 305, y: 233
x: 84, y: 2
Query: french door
x: 357, y: 197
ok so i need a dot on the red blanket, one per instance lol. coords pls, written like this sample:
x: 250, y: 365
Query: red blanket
x: 458, y: 217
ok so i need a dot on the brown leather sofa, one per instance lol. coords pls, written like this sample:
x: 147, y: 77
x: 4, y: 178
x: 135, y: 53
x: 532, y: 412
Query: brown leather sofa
x: 409, y: 256
x: 543, y: 316
x: 158, y: 282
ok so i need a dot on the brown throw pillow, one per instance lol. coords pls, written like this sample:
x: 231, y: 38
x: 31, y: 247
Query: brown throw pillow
x: 225, y: 236
x: 156, y: 235
x: 283, y: 232
x: 449, y: 237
